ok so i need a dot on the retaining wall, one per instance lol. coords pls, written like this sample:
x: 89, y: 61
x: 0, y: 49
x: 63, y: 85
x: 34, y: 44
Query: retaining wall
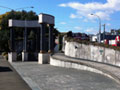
x: 91, y: 52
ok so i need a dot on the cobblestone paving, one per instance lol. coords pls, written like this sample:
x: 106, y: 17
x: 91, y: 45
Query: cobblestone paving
x: 46, y: 77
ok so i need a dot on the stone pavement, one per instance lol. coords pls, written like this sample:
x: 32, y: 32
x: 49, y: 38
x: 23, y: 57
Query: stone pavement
x: 9, y: 78
x: 111, y: 70
x: 46, y: 77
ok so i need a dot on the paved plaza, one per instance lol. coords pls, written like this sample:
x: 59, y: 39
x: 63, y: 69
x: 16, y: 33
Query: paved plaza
x: 46, y: 77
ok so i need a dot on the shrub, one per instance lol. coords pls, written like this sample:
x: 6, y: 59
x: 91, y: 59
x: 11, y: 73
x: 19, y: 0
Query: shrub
x: 69, y: 39
x: 5, y: 55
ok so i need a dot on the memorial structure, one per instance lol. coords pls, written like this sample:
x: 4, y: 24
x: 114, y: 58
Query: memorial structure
x: 44, y: 21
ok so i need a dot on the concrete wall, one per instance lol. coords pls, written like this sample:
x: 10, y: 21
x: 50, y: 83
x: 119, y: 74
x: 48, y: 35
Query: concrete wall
x: 91, y: 52
x: 75, y: 65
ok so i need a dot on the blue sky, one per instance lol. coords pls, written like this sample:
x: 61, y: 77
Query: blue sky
x: 73, y: 15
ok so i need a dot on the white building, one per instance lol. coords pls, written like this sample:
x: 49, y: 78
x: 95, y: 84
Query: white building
x: 94, y: 38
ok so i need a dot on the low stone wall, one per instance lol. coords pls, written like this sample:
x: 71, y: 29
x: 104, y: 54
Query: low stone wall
x: 76, y: 64
x: 72, y: 64
x: 91, y: 52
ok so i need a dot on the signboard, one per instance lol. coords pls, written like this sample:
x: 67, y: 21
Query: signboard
x: 45, y: 18
x: 23, y: 23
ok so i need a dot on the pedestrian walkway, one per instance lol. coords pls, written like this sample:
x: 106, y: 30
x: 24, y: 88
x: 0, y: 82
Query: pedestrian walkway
x: 47, y: 77
x: 9, y: 78
x: 108, y: 69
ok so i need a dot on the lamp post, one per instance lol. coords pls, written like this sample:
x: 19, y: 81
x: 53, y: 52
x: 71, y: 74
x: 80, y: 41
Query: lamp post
x: 6, y: 7
x: 99, y: 26
x: 16, y: 8
x: 23, y: 8
x: 104, y: 31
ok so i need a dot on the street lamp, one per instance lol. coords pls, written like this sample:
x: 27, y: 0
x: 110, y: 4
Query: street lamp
x: 23, y: 8
x: 6, y: 7
x: 99, y: 27
x: 17, y: 8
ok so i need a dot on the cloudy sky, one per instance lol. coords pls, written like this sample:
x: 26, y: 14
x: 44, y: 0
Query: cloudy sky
x: 74, y: 15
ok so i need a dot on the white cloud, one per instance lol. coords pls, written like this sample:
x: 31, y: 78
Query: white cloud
x: 75, y: 16
x: 104, y: 10
x: 77, y: 28
x: 91, y: 30
x: 72, y: 16
x: 62, y: 5
x: 108, y: 24
x: 85, y: 20
x: 63, y: 23
x: 103, y: 15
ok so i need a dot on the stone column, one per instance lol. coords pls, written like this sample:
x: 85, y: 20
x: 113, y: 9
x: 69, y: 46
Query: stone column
x: 43, y: 57
x: 45, y: 19
x: 25, y: 53
x: 25, y: 40
x: 12, y: 55
x: 42, y: 39
x: 51, y: 42
x: 38, y: 40
x: 12, y: 43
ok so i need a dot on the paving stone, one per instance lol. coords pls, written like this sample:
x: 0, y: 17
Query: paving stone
x: 46, y: 77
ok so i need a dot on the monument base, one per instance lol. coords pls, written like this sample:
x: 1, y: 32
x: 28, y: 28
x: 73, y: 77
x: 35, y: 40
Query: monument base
x: 12, y: 56
x: 43, y: 58
x: 24, y: 56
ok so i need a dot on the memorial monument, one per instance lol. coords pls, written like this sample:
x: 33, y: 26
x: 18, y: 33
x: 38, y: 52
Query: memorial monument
x: 44, y: 21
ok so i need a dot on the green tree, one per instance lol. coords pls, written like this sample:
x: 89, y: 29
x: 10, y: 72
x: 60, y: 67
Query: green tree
x: 4, y: 29
x: 18, y: 15
x: 4, y: 40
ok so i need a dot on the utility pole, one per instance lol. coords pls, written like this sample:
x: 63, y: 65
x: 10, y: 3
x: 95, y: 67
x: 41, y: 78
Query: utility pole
x: 104, y: 31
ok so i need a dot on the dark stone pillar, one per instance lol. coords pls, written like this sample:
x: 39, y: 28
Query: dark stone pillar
x: 12, y: 55
x: 51, y: 42
x: 42, y: 38
x: 37, y: 39
x: 12, y: 40
x: 25, y: 53
x: 25, y: 41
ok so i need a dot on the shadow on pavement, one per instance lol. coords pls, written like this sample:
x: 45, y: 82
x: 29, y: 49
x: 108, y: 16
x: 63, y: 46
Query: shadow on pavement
x: 5, y: 69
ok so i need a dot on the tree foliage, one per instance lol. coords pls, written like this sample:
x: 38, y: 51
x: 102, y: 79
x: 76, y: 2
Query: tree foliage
x: 23, y: 15
x: 4, y: 40
x: 16, y: 15
x: 4, y: 29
